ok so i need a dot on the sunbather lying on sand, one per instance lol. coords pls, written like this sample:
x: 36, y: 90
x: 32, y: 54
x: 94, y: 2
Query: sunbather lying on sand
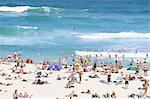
x: 21, y: 71
x: 93, y: 76
x: 6, y: 84
x: 69, y: 85
x: 141, y: 78
x: 87, y: 92
x: 18, y: 77
x: 135, y: 95
x: 8, y: 78
x: 72, y: 94
x: 21, y: 95
x: 40, y: 82
x: 3, y: 74
x: 107, y: 95
x: 95, y: 95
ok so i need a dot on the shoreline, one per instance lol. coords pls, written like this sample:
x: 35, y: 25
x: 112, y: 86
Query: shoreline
x: 113, y: 54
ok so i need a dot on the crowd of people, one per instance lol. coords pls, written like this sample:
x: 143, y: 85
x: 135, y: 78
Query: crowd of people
x: 76, y: 71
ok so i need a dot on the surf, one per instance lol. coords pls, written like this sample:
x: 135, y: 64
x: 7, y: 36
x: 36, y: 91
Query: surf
x: 14, y: 9
x: 27, y: 27
x: 121, y: 35
x: 21, y: 9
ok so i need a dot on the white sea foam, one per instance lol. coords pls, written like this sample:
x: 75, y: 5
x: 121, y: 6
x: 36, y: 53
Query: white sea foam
x: 14, y: 9
x: 26, y: 8
x: 46, y: 9
x: 50, y: 9
x: 26, y: 27
x: 127, y: 35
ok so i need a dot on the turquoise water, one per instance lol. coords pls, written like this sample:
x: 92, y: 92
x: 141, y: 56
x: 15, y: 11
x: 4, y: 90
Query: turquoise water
x: 59, y: 27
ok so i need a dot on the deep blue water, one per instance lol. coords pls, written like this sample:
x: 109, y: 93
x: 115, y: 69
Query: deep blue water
x: 59, y: 27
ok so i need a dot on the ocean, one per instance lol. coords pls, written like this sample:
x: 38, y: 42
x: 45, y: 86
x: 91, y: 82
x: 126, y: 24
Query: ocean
x: 42, y: 29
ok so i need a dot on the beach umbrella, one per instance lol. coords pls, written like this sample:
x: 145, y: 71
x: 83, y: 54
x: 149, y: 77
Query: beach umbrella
x: 55, y: 66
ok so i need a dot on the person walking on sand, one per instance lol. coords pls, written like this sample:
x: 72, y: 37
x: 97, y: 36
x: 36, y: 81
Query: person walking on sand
x: 145, y: 87
x: 145, y: 68
x: 122, y: 77
x: 15, y: 95
x: 126, y: 81
x: 80, y: 76
x: 109, y: 77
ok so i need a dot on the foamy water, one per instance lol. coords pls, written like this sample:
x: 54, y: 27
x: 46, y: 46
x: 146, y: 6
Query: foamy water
x: 15, y: 9
x: 27, y: 27
x: 20, y: 9
x: 121, y: 35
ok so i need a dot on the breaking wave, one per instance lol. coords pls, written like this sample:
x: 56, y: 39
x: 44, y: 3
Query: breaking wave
x: 26, y: 27
x: 123, y: 35
x: 20, y: 9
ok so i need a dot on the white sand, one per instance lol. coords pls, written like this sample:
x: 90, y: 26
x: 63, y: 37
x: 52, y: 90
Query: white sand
x: 56, y: 88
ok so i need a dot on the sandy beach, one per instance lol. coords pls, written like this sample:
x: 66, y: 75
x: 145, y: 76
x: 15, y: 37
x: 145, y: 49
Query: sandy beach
x: 54, y: 88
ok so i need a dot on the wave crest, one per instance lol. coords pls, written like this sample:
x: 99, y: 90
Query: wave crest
x: 26, y: 27
x: 20, y: 9
x: 124, y: 35
x: 14, y: 9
